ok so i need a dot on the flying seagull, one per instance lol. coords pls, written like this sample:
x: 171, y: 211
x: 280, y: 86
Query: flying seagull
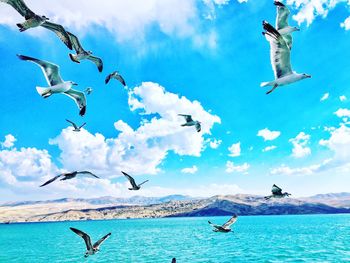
x: 191, y: 122
x: 225, y: 227
x: 76, y: 128
x: 280, y: 48
x: 88, y: 91
x: 277, y: 193
x: 67, y: 176
x: 116, y: 76
x: 91, y: 249
x: 57, y: 84
x: 82, y: 54
x: 133, y: 183
x: 34, y: 20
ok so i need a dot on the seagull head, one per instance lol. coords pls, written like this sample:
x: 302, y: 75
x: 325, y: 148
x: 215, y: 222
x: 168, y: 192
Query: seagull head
x: 45, y: 18
x: 306, y: 76
x: 73, y: 83
x: 89, y: 52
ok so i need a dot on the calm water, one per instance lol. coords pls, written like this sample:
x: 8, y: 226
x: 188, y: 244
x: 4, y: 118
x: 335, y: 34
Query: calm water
x: 311, y: 238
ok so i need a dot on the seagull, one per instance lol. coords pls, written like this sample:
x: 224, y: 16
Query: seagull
x: 133, y: 183
x: 225, y: 227
x: 82, y: 54
x: 76, y: 128
x: 116, y: 76
x: 277, y: 193
x: 88, y: 91
x: 91, y: 249
x: 34, y: 20
x: 191, y: 122
x: 67, y: 176
x: 280, y: 47
x: 57, y: 84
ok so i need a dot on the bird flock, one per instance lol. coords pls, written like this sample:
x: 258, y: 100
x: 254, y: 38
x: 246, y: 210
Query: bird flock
x: 279, y: 38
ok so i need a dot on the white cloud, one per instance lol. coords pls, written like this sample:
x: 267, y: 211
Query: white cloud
x: 346, y: 24
x: 190, y: 170
x: 269, y: 148
x: 342, y: 113
x: 268, y: 135
x: 214, y: 144
x: 325, y: 96
x: 308, y: 170
x: 235, y: 150
x: 231, y: 167
x: 300, y: 148
x: 342, y: 98
x: 9, y: 141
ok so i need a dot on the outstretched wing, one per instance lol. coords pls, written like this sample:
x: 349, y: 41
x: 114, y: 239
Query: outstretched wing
x: 117, y: 76
x: 20, y: 7
x: 50, y: 70
x: 282, y: 15
x: 79, y: 98
x: 75, y: 43
x: 51, y: 180
x: 85, y: 236
x: 214, y: 225
x: 188, y: 118
x: 74, y: 125
x: 198, y: 127
x: 131, y: 180
x: 143, y: 183
x: 276, y: 190
x: 279, y: 51
x: 81, y: 126
x: 60, y: 32
x: 97, y: 61
x: 88, y: 173
x: 100, y: 241
x: 230, y: 222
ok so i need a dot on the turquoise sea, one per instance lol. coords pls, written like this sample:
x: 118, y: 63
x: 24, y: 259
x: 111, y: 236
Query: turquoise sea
x: 306, y: 238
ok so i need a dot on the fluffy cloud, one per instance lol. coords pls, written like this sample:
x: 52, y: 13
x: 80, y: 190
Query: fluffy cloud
x: 325, y: 96
x: 342, y: 113
x: 231, y: 167
x: 308, y: 170
x: 140, y: 150
x: 300, y: 148
x: 346, y: 24
x: 190, y: 170
x: 214, y: 144
x: 269, y: 148
x: 268, y: 135
x: 9, y: 141
x: 235, y: 150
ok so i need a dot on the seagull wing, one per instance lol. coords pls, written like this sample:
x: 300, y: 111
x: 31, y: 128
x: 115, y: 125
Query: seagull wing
x: 20, y: 7
x: 120, y: 79
x: 51, y: 180
x: 198, y: 127
x: 276, y: 190
x: 75, y: 43
x: 143, y: 183
x: 131, y: 180
x: 79, y: 98
x: 188, y: 118
x: 230, y: 222
x: 81, y: 126
x: 74, y: 125
x: 85, y: 236
x: 279, y: 51
x: 214, y: 225
x: 97, y: 61
x: 60, y: 32
x: 50, y: 70
x: 100, y: 241
x: 88, y: 173
x: 282, y: 15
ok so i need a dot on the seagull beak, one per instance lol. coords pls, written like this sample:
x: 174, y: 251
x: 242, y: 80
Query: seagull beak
x: 75, y: 84
x: 308, y: 76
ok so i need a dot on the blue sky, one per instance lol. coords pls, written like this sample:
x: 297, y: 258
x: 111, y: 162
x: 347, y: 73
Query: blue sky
x: 203, y: 57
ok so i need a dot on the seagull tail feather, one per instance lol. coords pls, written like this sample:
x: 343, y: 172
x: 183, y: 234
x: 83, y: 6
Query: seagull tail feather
x: 265, y: 84
x: 44, y: 92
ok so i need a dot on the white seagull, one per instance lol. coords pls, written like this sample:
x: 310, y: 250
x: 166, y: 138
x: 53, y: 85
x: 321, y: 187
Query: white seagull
x: 277, y: 193
x: 82, y: 54
x: 34, y: 20
x: 91, y: 249
x: 67, y: 176
x: 76, y: 127
x: 135, y: 186
x: 116, y: 76
x: 280, y: 41
x: 225, y: 227
x: 57, y: 84
x: 191, y: 122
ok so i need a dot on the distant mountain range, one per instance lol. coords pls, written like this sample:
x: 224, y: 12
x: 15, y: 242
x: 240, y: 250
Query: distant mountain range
x: 169, y: 206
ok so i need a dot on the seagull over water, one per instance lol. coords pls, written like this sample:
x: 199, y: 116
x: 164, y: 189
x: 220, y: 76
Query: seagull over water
x: 117, y: 76
x: 135, y: 186
x: 276, y: 193
x: 82, y: 54
x: 225, y: 227
x: 76, y: 127
x: 280, y: 40
x: 34, y: 20
x: 67, y: 176
x: 91, y: 249
x: 57, y: 84
x: 191, y: 122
